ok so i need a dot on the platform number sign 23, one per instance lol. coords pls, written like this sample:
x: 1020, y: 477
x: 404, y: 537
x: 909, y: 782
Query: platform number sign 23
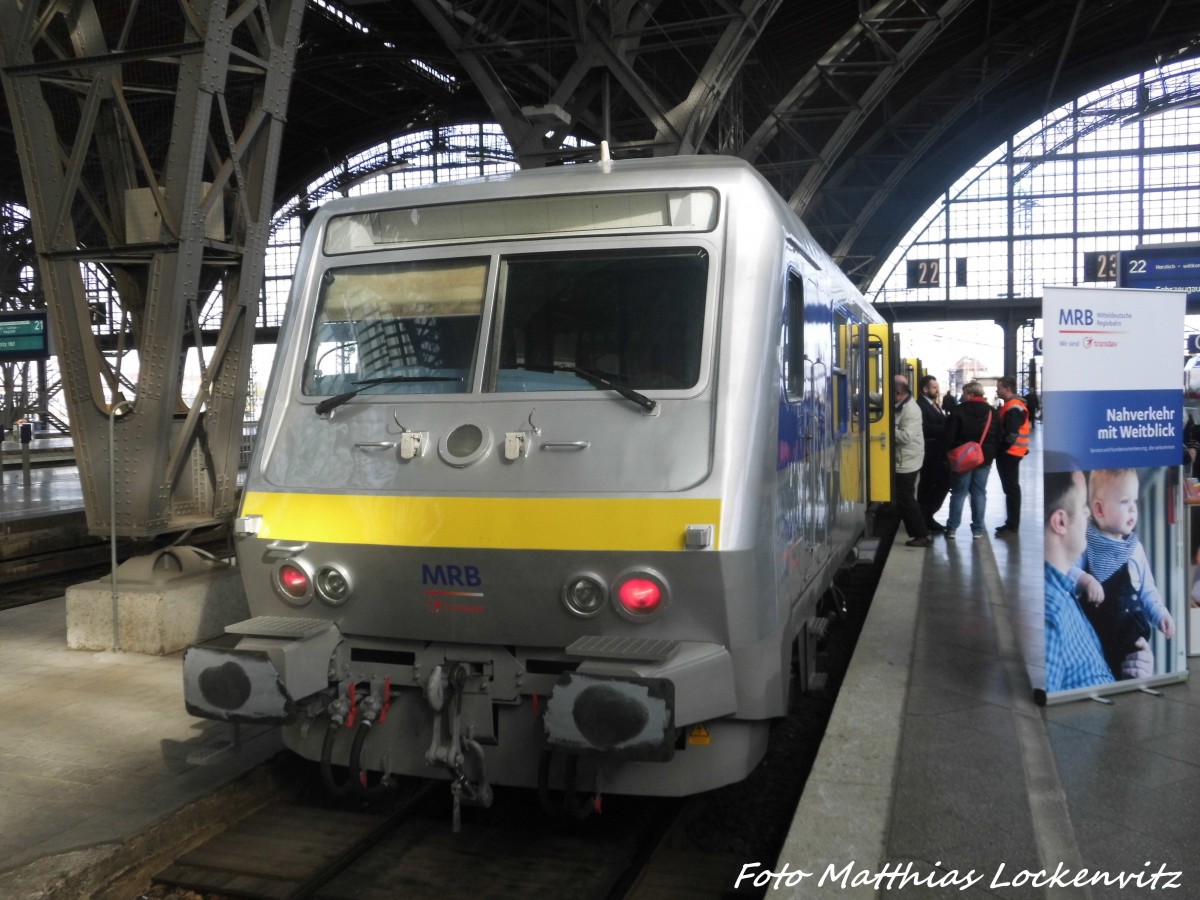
x: 1100, y: 265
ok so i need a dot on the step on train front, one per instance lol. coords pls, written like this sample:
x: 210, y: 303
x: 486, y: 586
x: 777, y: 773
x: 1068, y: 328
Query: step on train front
x: 552, y: 470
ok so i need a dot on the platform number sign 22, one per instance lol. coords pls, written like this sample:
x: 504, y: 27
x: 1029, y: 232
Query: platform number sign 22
x: 923, y: 273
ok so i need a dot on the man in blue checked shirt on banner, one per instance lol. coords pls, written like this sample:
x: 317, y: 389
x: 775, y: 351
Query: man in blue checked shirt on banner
x: 1074, y: 658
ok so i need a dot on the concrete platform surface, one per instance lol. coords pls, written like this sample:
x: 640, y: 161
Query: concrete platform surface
x: 94, y: 749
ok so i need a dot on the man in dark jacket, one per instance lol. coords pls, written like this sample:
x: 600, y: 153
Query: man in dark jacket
x: 909, y: 457
x: 935, y: 473
x: 972, y: 420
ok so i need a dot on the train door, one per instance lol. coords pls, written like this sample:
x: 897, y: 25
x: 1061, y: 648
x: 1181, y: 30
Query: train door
x: 911, y: 369
x: 879, y: 413
x: 793, y: 487
x: 849, y: 407
x: 821, y: 461
x: 805, y: 438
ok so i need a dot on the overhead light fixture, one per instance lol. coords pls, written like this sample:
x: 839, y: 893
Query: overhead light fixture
x: 551, y: 112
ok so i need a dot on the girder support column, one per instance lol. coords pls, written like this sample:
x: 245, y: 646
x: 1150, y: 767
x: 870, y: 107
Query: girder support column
x: 173, y: 222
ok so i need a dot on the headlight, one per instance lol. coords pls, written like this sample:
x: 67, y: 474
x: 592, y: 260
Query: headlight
x: 333, y: 585
x: 584, y: 595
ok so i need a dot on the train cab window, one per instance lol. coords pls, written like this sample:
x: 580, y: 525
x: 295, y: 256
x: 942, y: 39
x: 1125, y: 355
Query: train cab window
x: 793, y: 337
x: 409, y: 328
x: 633, y: 316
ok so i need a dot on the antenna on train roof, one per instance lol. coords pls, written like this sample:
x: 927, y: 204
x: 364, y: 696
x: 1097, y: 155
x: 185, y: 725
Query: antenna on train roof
x: 605, y: 159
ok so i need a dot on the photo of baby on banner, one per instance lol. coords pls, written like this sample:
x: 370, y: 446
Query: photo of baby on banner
x: 1110, y: 539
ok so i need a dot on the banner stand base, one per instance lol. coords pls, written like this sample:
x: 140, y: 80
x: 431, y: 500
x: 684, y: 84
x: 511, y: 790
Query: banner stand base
x: 1102, y: 691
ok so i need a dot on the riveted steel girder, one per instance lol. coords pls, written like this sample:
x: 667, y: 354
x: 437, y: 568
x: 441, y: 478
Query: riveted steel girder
x: 477, y: 34
x: 151, y: 168
x: 587, y: 59
x: 694, y: 116
x: 844, y: 85
x: 864, y: 181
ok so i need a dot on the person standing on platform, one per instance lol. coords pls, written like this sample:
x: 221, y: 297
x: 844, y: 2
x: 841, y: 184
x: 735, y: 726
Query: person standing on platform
x: 910, y: 454
x: 972, y: 420
x: 934, y: 483
x: 1034, y: 405
x: 1014, y: 445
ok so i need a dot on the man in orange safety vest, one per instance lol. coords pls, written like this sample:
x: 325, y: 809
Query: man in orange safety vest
x: 1014, y: 444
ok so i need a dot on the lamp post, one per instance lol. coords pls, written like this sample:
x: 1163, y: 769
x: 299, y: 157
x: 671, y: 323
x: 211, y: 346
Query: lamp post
x: 120, y: 407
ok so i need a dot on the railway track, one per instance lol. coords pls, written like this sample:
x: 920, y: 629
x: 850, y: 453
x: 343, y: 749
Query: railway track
x: 43, y: 564
x: 637, y: 849
x: 287, y: 850
x: 43, y: 576
x: 292, y: 851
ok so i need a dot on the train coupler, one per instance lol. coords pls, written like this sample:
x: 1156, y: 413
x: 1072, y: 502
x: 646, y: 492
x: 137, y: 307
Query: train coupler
x: 453, y: 747
x: 353, y: 705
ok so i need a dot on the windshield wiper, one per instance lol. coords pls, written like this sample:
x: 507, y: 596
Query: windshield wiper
x: 331, y: 403
x: 601, y: 380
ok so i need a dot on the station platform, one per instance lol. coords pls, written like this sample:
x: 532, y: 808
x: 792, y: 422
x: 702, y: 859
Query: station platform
x: 49, y: 491
x: 53, y: 450
x: 96, y: 750
x: 937, y: 762
x: 42, y: 516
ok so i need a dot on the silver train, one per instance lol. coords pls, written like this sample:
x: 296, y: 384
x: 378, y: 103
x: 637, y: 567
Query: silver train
x: 552, y: 472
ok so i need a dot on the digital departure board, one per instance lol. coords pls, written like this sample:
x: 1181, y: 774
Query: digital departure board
x: 1162, y: 268
x: 23, y: 336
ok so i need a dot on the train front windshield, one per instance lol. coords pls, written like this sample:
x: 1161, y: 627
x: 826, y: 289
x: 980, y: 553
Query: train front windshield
x: 633, y: 316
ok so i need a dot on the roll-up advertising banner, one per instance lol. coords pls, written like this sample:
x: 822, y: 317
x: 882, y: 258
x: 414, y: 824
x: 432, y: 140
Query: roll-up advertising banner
x: 1115, y: 555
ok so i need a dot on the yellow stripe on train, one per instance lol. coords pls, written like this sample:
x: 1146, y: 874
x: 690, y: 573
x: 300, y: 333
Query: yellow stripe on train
x: 525, y: 523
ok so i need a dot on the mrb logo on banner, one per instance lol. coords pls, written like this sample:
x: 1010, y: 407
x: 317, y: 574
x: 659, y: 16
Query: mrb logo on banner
x: 1075, y: 317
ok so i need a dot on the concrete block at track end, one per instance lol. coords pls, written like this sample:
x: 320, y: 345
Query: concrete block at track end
x: 154, y: 619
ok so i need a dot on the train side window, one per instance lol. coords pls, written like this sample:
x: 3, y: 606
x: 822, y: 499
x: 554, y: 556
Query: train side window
x: 841, y: 385
x: 635, y: 316
x: 876, y: 387
x: 793, y: 337
x: 412, y: 325
x: 855, y: 369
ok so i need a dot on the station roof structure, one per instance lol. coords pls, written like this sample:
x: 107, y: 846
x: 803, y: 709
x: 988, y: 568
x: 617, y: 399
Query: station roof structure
x: 858, y: 113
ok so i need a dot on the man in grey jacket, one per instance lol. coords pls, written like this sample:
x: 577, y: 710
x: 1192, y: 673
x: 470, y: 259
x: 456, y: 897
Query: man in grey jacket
x: 910, y: 455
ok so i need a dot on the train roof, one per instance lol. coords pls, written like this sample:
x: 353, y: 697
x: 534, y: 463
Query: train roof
x: 662, y: 172
x: 731, y: 175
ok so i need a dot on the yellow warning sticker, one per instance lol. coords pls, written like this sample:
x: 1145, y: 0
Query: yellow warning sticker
x: 699, y: 735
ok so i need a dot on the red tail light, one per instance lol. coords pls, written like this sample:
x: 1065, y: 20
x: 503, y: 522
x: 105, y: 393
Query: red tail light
x: 294, y: 581
x: 640, y: 595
